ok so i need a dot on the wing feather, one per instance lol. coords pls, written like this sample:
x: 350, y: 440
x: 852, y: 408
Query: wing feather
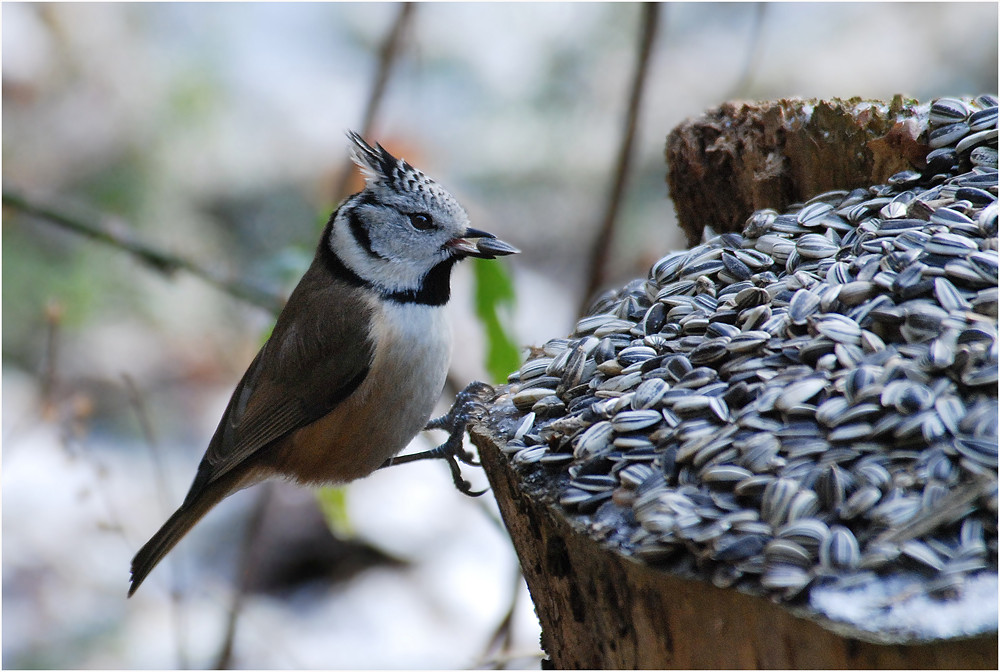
x: 315, y: 358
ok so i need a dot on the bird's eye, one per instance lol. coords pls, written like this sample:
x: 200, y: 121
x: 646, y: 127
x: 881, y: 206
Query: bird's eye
x: 421, y: 221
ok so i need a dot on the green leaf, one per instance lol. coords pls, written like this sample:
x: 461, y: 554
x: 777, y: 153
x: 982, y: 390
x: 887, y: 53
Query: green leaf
x: 333, y: 504
x: 494, y: 294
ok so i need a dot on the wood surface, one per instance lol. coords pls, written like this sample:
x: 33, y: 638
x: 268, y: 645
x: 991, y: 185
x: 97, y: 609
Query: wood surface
x: 742, y: 156
x: 600, y: 610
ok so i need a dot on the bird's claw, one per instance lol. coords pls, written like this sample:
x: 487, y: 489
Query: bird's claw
x: 469, y: 403
x: 461, y: 484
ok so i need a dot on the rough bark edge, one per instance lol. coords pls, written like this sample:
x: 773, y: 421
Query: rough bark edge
x: 599, y: 610
x: 742, y: 156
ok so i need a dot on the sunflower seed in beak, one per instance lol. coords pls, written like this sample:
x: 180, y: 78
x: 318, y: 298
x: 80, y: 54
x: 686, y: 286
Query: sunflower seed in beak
x: 476, y: 243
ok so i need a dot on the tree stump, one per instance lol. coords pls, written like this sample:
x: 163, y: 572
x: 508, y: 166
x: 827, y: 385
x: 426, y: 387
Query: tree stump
x: 608, y: 591
x: 599, y: 610
x: 743, y: 156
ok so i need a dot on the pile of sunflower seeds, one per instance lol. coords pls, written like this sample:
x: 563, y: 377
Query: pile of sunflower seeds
x: 809, y: 403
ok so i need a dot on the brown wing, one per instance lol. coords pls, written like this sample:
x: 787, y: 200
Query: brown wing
x: 317, y: 355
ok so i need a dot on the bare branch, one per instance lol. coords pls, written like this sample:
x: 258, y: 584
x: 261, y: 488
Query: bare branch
x: 523, y: 658
x: 104, y: 229
x: 138, y: 403
x: 50, y: 361
x: 386, y: 59
x: 752, y: 58
x: 602, y: 244
x: 224, y: 657
x: 502, y: 639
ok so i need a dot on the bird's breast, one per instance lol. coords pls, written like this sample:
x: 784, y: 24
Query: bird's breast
x: 412, y: 355
x: 392, y: 404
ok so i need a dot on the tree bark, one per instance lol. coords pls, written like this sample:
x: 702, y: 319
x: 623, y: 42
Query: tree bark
x: 600, y: 610
x: 741, y: 156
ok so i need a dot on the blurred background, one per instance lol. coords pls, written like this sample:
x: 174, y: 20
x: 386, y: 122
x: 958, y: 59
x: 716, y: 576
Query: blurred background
x: 216, y: 133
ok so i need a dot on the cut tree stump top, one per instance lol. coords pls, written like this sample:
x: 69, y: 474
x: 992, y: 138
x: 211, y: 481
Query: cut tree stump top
x: 743, y: 156
x: 807, y: 474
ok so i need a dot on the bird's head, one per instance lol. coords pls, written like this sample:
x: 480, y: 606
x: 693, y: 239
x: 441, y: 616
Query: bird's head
x: 403, y: 229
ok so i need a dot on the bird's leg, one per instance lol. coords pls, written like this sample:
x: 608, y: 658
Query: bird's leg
x: 468, y: 402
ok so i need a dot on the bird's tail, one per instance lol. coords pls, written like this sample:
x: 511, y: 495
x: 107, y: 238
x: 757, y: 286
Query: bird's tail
x: 179, y: 524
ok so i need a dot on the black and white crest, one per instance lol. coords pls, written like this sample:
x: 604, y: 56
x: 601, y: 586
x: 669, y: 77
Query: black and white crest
x: 383, y: 171
x: 377, y: 163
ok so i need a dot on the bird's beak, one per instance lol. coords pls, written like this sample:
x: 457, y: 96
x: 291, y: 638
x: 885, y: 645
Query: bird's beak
x: 476, y: 243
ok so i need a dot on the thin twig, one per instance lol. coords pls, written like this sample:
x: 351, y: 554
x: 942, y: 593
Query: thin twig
x: 103, y: 230
x: 138, y: 404
x: 752, y: 58
x: 386, y: 59
x: 602, y: 244
x: 503, y: 636
x: 247, y: 558
x: 50, y: 362
x: 49, y: 382
x: 500, y: 661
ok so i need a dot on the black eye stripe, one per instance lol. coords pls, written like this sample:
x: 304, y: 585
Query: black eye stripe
x: 361, y: 234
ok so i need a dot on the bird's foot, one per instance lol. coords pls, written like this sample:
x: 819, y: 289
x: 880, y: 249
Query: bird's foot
x: 468, y: 405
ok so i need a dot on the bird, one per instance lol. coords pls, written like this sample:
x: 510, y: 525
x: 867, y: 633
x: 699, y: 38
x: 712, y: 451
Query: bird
x: 358, y: 356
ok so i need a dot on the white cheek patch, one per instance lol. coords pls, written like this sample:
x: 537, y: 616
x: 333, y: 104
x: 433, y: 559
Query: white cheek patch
x: 402, y: 274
